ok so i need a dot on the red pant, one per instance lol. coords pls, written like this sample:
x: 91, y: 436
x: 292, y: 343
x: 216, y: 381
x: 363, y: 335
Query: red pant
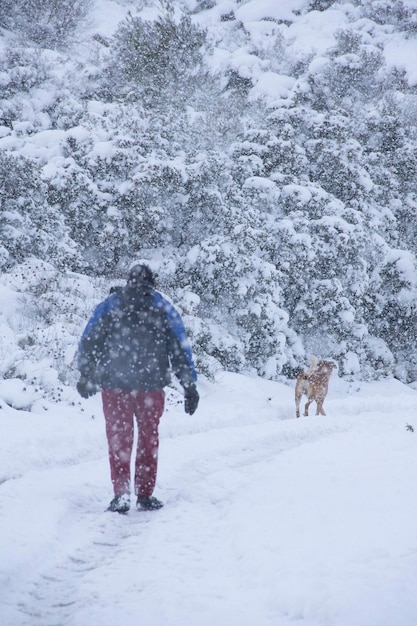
x: 119, y: 407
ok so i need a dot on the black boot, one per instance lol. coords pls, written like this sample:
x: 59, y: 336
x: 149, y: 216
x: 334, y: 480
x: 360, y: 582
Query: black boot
x: 120, y: 504
x: 149, y: 504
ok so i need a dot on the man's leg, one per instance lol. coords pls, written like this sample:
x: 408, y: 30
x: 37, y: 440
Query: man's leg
x: 149, y: 406
x: 118, y: 411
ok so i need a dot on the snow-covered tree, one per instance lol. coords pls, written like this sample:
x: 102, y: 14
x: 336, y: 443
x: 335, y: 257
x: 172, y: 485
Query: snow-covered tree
x: 29, y: 226
x: 155, y: 62
x: 49, y: 23
x: 275, y: 186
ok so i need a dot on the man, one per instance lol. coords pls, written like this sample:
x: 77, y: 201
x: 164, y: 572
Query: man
x: 129, y: 346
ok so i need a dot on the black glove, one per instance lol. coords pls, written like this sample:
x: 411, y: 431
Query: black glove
x: 191, y: 399
x: 85, y: 388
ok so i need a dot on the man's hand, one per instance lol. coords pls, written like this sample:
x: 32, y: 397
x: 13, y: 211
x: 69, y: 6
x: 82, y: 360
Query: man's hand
x: 191, y: 399
x: 85, y: 388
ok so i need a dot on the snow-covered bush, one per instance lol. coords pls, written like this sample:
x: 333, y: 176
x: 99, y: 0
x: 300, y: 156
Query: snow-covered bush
x: 273, y: 182
x: 21, y: 69
x: 240, y: 292
x: 49, y: 313
x: 155, y: 62
x: 29, y: 225
x: 49, y: 23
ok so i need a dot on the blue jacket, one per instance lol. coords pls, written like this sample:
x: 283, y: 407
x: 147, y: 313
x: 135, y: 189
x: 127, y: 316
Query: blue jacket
x: 133, y: 341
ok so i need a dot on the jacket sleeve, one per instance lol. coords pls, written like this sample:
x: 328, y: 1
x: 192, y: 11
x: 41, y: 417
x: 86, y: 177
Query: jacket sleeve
x: 101, y: 309
x: 179, y: 346
x: 91, y: 343
x: 89, y: 350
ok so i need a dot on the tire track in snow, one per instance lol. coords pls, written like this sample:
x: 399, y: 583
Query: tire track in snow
x: 53, y: 595
x: 232, y: 448
x: 89, y: 542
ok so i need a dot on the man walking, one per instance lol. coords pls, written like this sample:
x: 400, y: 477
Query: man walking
x: 130, y: 345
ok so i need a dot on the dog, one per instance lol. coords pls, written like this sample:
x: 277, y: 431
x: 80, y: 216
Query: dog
x: 314, y: 382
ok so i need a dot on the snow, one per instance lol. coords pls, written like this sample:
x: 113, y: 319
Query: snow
x: 400, y: 53
x: 107, y: 15
x: 8, y: 300
x: 273, y: 85
x: 315, y: 31
x: 404, y: 263
x: 268, y: 519
x: 263, y: 9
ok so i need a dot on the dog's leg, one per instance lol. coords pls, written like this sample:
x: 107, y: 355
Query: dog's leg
x: 307, y: 405
x: 320, y: 410
x: 297, y: 404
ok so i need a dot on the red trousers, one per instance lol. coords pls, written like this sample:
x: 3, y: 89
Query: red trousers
x: 120, y: 407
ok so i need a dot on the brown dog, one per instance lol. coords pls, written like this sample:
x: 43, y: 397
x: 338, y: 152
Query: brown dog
x: 314, y: 382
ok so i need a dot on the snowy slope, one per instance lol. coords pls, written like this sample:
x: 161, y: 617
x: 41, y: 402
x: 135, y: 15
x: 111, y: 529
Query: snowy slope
x: 274, y: 39
x: 267, y: 519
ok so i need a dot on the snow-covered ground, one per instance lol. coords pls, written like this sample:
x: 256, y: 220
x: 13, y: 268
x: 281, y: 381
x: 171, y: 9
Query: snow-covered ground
x: 268, y: 520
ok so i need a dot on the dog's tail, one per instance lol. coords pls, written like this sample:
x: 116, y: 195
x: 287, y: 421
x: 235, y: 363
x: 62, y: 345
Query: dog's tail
x: 313, y: 360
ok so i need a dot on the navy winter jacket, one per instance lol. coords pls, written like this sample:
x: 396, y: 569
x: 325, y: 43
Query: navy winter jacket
x: 133, y: 341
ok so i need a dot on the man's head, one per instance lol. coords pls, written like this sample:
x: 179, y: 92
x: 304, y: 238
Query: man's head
x: 140, y: 275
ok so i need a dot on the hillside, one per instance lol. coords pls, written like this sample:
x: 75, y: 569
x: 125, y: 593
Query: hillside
x: 260, y: 155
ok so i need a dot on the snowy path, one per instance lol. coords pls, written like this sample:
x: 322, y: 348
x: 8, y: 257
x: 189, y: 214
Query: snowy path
x: 267, y: 520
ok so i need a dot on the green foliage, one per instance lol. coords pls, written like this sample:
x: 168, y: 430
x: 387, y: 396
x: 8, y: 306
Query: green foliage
x: 21, y: 69
x: 49, y: 23
x: 28, y: 224
x: 320, y: 5
x: 387, y: 12
x: 289, y: 224
x: 156, y: 62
